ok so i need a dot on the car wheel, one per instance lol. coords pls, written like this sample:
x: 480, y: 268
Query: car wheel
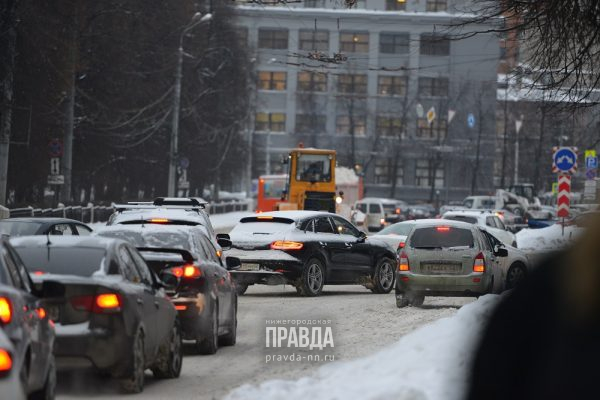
x: 402, y: 301
x: 241, y: 288
x: 47, y: 392
x: 170, y: 355
x: 313, y: 278
x: 231, y: 337
x: 383, y: 276
x: 515, y: 275
x: 210, y: 343
x: 135, y: 382
x: 410, y: 299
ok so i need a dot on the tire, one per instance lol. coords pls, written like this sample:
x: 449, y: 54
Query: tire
x: 402, y: 302
x: 515, y: 275
x: 241, y: 289
x: 313, y: 278
x: 383, y: 276
x: 210, y: 344
x: 410, y: 299
x: 48, y: 392
x: 230, y: 338
x: 170, y: 355
x: 135, y: 383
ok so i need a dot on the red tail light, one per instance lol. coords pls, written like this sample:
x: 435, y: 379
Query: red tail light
x: 41, y: 313
x: 286, y: 245
x: 5, y: 361
x: 5, y: 310
x: 479, y: 263
x: 401, y: 245
x: 186, y: 271
x: 102, y: 303
x: 443, y: 229
x: 403, y: 265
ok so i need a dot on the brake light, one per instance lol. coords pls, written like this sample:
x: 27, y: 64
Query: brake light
x: 108, y: 301
x: 479, y: 263
x: 443, y: 229
x: 398, y: 211
x: 38, y: 273
x: 382, y: 221
x: 186, y: 271
x: 102, y: 303
x: 286, y: 245
x: 401, y: 245
x: 403, y: 265
x: 5, y: 361
x: 159, y: 221
x: 180, y: 307
x: 264, y: 217
x: 5, y: 310
x: 41, y: 313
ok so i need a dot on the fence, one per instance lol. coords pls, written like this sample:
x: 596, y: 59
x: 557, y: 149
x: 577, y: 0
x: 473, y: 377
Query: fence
x: 94, y: 213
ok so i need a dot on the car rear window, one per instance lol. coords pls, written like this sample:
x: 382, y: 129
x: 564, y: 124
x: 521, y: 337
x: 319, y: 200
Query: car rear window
x: 397, y: 229
x: 264, y: 225
x: 441, y: 236
x: 80, y: 261
x: 462, y: 218
x: 18, y: 228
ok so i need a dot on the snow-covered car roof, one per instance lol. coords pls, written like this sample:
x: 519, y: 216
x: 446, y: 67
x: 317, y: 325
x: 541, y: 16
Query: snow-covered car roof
x: 295, y: 215
x: 471, y: 213
x: 380, y: 200
x: 146, y: 214
x: 63, y: 241
x: 441, y: 222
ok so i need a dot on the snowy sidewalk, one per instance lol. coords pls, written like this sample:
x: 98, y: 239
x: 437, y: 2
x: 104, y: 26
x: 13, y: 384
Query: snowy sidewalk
x: 430, y: 363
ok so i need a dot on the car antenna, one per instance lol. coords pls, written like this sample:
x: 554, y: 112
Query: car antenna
x: 48, y: 243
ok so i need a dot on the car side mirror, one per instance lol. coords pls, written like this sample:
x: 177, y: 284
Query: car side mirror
x: 224, y: 243
x: 50, y: 289
x: 500, y: 251
x: 361, y: 237
x: 233, y: 263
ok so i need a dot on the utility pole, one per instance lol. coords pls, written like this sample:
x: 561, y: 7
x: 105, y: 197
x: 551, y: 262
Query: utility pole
x: 518, y: 124
x: 502, y: 179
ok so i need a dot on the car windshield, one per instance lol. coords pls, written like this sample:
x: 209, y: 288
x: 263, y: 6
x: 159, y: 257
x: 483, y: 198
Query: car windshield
x: 80, y: 261
x: 390, y: 208
x: 273, y: 188
x: 441, y: 237
x: 19, y: 228
x: 264, y: 228
x: 154, y: 238
x: 397, y: 229
x: 314, y: 168
x: 488, y: 204
x: 462, y: 218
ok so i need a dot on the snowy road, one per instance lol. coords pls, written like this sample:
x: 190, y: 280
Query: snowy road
x: 362, y: 323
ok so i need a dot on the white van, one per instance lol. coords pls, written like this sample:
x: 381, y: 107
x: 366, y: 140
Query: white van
x: 380, y: 212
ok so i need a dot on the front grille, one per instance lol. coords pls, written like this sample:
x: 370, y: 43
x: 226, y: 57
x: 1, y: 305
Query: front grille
x: 320, y: 201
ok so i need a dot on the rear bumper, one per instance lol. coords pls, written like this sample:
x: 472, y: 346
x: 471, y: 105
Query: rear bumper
x: 264, y: 277
x: 474, y: 284
x: 194, y: 315
x: 276, y: 267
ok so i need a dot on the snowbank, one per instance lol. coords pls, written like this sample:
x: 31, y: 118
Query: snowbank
x: 550, y: 238
x: 430, y: 363
x: 345, y: 176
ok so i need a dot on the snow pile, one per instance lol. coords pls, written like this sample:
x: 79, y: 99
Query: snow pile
x: 345, y: 176
x: 430, y: 363
x: 550, y: 238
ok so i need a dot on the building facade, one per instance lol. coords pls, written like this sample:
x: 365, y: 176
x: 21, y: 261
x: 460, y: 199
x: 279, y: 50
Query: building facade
x: 386, y: 83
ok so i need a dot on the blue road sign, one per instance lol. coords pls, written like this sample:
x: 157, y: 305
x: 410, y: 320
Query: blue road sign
x: 590, y: 174
x: 471, y: 120
x: 591, y: 162
x: 565, y: 159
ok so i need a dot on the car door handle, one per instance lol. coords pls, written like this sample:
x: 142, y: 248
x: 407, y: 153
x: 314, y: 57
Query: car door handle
x: 348, y: 245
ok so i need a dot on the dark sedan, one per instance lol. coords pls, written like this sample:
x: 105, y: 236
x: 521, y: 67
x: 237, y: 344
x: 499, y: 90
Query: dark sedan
x: 309, y: 249
x: 205, y: 295
x: 113, y: 314
x: 24, y: 321
x: 43, y: 226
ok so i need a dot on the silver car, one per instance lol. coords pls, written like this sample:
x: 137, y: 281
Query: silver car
x: 452, y: 258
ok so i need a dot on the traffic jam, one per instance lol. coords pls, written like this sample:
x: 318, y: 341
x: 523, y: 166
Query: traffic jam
x: 124, y: 297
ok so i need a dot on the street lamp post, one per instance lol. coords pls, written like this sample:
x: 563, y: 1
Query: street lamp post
x: 518, y: 124
x: 197, y: 19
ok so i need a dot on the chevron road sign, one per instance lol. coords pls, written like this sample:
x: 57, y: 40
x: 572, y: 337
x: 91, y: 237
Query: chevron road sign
x: 564, y: 195
x: 564, y: 160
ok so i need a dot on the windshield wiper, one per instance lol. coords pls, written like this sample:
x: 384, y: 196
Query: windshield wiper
x: 457, y: 248
x: 428, y: 247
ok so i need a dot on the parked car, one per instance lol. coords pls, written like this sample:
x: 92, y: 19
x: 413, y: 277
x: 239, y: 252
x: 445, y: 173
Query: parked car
x: 205, y: 295
x: 114, y: 313
x: 309, y: 249
x: 381, y: 212
x: 395, y: 235
x: 482, y: 202
x: 10, y: 382
x: 43, y: 226
x: 452, y: 258
x: 486, y: 220
x: 25, y: 322
x: 421, y: 211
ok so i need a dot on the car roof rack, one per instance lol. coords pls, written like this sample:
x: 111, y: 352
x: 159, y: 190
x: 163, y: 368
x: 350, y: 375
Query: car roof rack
x: 179, y: 201
x: 128, y: 207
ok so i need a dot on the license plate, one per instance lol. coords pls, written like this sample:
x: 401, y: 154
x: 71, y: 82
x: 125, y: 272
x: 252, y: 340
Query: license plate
x: 250, y: 267
x: 441, y: 268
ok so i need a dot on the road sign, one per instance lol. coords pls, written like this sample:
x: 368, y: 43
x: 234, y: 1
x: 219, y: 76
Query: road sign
x: 591, y: 162
x: 554, y: 188
x: 451, y: 114
x: 55, y: 148
x: 471, y: 120
x: 590, y: 174
x: 420, y: 111
x: 590, y: 153
x: 564, y: 195
x: 184, y: 162
x: 431, y: 115
x: 590, y: 189
x: 54, y: 166
x: 564, y: 160
x: 56, y: 179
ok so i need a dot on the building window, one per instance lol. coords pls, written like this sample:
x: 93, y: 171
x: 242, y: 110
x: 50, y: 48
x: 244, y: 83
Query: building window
x: 394, y: 43
x: 434, y: 45
x: 395, y: 5
x: 389, y: 126
x: 354, y: 42
x: 346, y: 125
x: 424, y: 172
x: 310, y: 123
x: 273, y: 38
x: 314, y: 40
x: 352, y: 83
x: 273, y: 122
x: 313, y: 3
x: 433, y: 87
x: 436, y: 5
x: 383, y: 170
x: 268, y: 80
x: 392, y: 85
x: 437, y: 130
x: 312, y: 82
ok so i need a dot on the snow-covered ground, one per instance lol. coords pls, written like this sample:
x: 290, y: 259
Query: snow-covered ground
x: 550, y: 238
x: 431, y: 363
